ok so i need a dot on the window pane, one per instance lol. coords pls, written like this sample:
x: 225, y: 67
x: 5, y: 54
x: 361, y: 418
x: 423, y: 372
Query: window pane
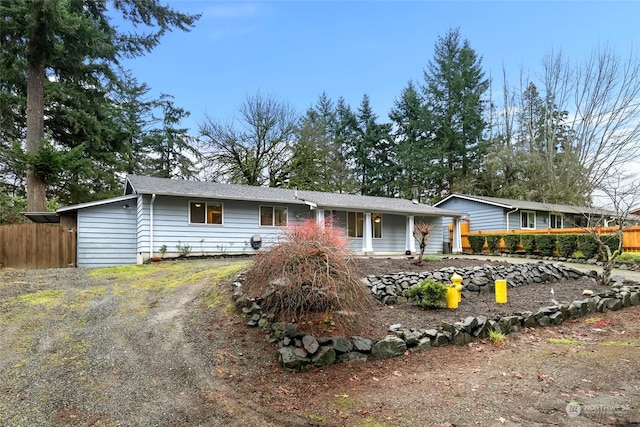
x: 280, y: 217
x: 214, y: 213
x: 351, y: 224
x: 359, y: 224
x: 377, y: 225
x: 266, y: 215
x: 196, y: 215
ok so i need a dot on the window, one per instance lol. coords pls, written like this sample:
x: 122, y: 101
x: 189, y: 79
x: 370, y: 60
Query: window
x: 376, y: 223
x: 580, y: 221
x: 555, y: 221
x: 205, y: 213
x: 528, y: 220
x: 271, y: 216
x: 355, y: 224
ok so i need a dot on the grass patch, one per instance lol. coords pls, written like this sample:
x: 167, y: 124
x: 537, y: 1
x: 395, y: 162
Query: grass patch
x: 42, y: 297
x: 565, y: 341
x: 629, y: 257
x: 431, y: 258
x: 620, y: 344
x: 167, y: 275
x: 318, y: 419
x: 344, y: 402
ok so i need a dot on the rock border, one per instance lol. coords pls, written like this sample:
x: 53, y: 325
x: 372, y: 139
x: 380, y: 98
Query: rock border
x: 299, y: 352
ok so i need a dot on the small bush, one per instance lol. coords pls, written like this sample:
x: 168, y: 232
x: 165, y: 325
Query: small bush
x: 546, y: 244
x: 309, y: 277
x: 528, y: 243
x: 428, y: 293
x: 497, y: 337
x: 511, y: 241
x: 567, y: 244
x: 477, y: 243
x: 493, y: 242
x: 629, y: 257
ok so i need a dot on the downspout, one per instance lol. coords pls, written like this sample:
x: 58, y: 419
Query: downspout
x: 513, y: 211
x: 153, y: 199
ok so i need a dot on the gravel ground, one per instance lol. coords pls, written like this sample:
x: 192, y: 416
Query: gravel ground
x: 160, y: 345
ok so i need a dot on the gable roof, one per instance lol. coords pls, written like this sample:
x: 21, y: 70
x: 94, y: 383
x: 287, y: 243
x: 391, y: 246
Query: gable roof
x: 533, y: 206
x: 178, y: 187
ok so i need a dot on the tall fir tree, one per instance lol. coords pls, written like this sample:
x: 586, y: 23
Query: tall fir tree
x: 410, y: 124
x: 454, y: 89
x: 45, y: 43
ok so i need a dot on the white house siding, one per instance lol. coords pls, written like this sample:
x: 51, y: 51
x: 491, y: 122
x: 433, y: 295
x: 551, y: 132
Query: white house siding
x: 240, y: 222
x: 107, y: 235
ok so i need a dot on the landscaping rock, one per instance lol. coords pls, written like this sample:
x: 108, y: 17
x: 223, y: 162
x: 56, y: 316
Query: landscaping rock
x: 389, y: 346
x: 341, y: 345
x: 361, y: 344
x: 310, y: 344
x: 291, y: 360
x: 352, y: 356
x: 325, y: 356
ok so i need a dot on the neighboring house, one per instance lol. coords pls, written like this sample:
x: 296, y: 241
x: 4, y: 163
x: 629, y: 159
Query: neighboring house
x: 211, y: 218
x: 495, y: 214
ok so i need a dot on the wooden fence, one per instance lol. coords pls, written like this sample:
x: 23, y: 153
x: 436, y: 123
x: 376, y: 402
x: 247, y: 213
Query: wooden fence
x: 37, y: 246
x: 630, y: 235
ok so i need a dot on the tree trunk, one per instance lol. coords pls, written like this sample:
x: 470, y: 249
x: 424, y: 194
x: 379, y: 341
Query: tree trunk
x: 36, y: 187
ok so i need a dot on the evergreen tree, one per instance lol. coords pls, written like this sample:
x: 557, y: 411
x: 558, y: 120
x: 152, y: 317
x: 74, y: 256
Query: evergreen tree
x: 371, y: 150
x: 64, y: 51
x: 174, y: 154
x: 345, y: 139
x: 410, y: 122
x: 454, y: 87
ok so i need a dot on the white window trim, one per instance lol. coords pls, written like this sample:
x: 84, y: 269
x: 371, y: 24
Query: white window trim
x: 534, y: 220
x: 205, y: 213
x: 273, y: 216
x: 373, y: 215
x: 561, y: 220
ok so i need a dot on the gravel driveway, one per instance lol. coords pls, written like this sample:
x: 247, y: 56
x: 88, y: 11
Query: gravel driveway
x: 108, y: 347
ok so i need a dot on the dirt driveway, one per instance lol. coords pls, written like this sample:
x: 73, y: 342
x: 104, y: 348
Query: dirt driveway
x: 160, y: 345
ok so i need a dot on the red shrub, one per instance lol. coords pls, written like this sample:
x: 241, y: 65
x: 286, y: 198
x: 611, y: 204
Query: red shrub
x: 309, y: 279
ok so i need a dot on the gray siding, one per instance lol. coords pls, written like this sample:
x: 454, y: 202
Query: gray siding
x: 482, y: 216
x: 436, y: 237
x: 240, y: 222
x: 107, y: 235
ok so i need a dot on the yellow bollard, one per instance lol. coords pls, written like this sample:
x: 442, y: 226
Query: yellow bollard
x: 456, y: 279
x: 501, y: 291
x: 452, y: 297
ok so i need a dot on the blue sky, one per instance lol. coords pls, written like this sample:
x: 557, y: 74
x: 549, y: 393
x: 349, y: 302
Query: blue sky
x: 295, y: 50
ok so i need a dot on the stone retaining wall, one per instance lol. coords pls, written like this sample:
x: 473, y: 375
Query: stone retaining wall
x: 389, y: 288
x: 298, y: 351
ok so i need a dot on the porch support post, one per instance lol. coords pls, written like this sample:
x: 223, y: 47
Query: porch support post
x: 367, y: 237
x: 320, y: 217
x: 457, y: 237
x: 410, y: 246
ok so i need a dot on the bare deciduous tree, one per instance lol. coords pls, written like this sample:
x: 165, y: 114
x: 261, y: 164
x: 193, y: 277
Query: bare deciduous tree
x: 255, y: 149
x: 620, y: 193
x: 421, y: 232
x: 602, y: 97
